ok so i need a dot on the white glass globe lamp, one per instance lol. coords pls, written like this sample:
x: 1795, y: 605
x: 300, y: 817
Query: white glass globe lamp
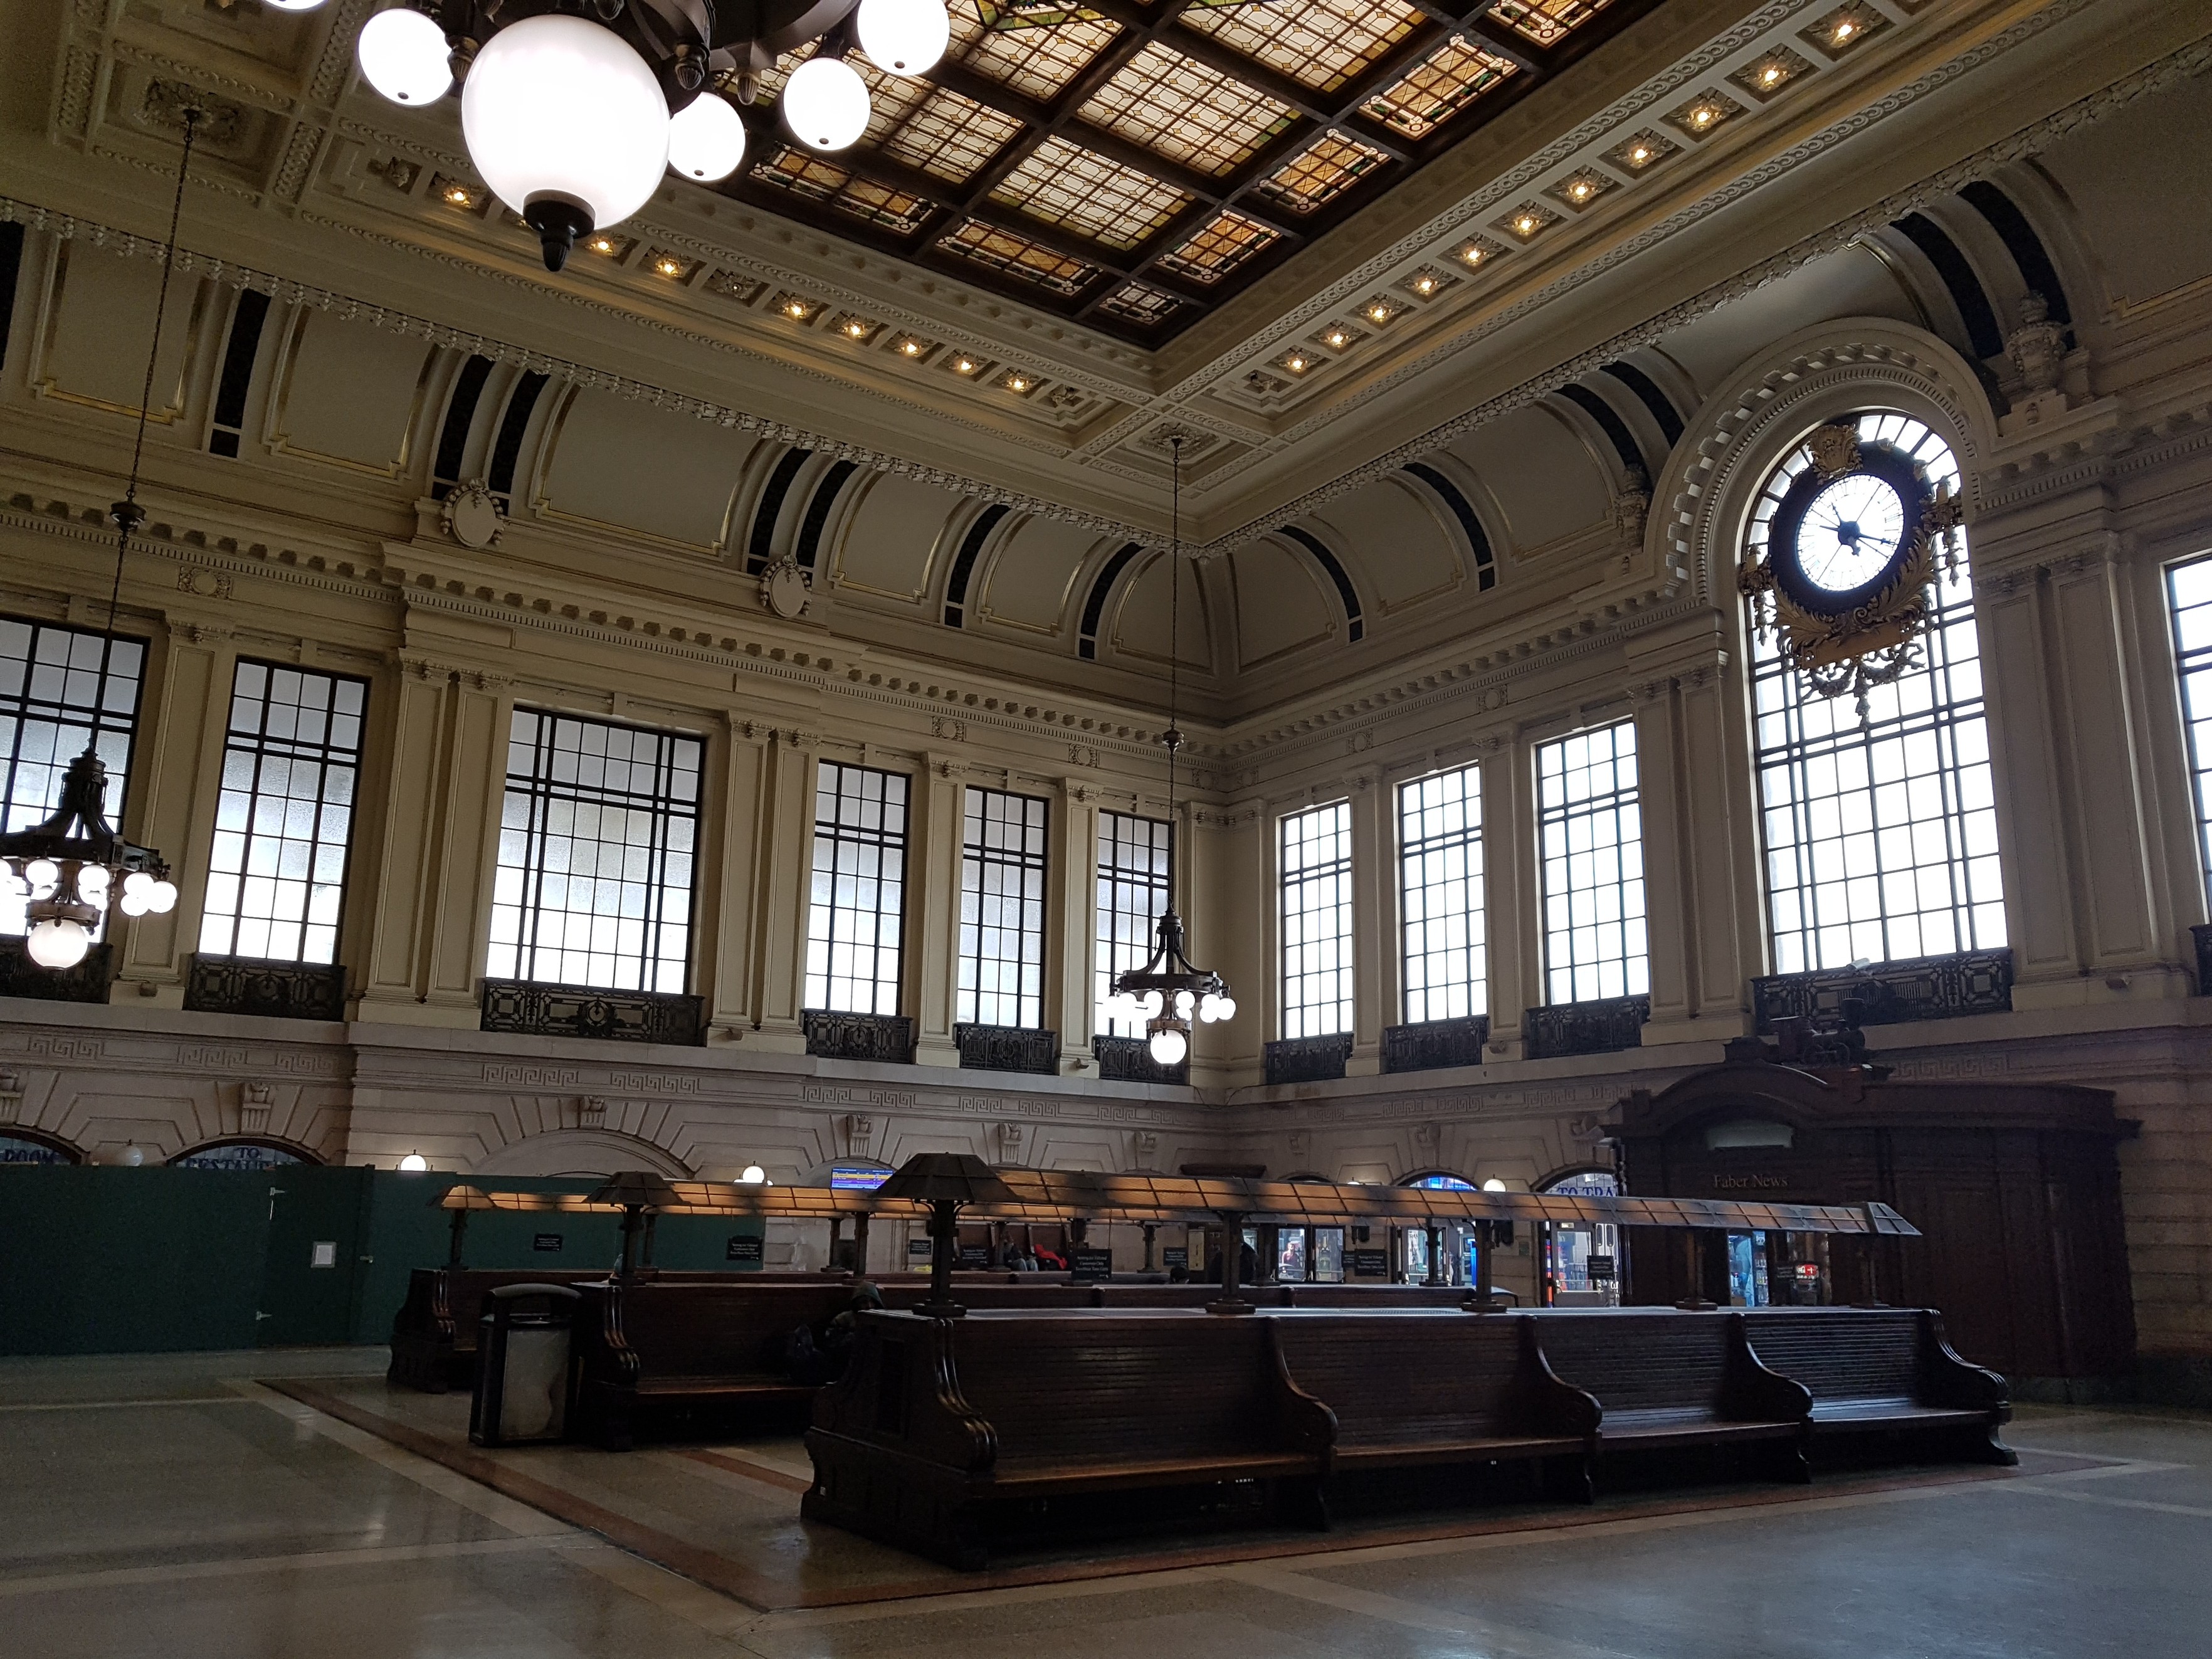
x: 1493, y: 1185
x: 706, y: 139
x: 1169, y: 1046
x: 567, y: 125
x: 161, y: 897
x: 905, y: 36
x: 413, y: 1162
x: 293, y: 5
x: 1227, y: 1009
x: 403, y: 55
x: 58, y: 942
x: 754, y: 1175
x: 41, y: 872
x: 825, y: 103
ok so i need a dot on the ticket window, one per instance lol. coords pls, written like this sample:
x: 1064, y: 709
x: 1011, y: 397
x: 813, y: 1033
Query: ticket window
x: 1454, y: 1240
x: 1328, y: 1255
x: 1290, y: 1255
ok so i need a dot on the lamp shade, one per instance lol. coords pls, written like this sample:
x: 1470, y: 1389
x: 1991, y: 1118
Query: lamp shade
x: 905, y: 36
x: 463, y: 1197
x: 825, y: 103
x: 939, y: 1177
x: 706, y: 139
x: 560, y: 110
x: 636, y: 1189
x: 403, y: 55
x: 58, y: 942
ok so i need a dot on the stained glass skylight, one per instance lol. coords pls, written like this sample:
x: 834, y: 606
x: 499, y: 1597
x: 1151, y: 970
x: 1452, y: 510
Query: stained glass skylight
x: 1064, y: 184
x: 1017, y: 256
x: 1546, y: 22
x: 1320, y: 173
x: 1442, y: 84
x: 1187, y: 110
x: 1098, y: 141
x: 1219, y: 248
x: 1320, y: 44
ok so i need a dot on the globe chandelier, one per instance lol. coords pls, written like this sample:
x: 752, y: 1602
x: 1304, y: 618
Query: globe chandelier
x: 73, y: 866
x: 1167, y: 992
x: 573, y: 109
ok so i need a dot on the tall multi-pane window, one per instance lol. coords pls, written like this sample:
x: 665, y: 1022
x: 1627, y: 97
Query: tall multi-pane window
x: 1881, y: 839
x: 284, y: 817
x: 1002, y: 869
x: 2189, y: 596
x: 49, y: 679
x: 1590, y: 827
x: 1135, y: 871
x: 1316, y: 921
x: 856, y: 923
x: 595, y: 851
x: 1440, y: 896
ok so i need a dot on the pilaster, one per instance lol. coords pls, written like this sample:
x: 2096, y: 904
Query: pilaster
x: 729, y: 891
x: 1512, y: 906
x: 1071, y: 872
x: 1374, y: 918
x: 933, y: 904
x: 783, y: 866
x: 176, y: 774
x: 397, y: 857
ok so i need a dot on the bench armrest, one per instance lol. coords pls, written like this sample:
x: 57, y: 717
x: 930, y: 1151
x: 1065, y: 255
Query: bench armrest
x: 1947, y: 1380
x: 901, y: 1390
x: 605, y: 1356
x: 1304, y: 1424
x: 1751, y: 1393
x: 1554, y: 1406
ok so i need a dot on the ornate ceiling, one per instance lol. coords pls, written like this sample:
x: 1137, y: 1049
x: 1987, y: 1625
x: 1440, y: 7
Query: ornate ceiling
x: 1132, y: 166
x: 1618, y: 166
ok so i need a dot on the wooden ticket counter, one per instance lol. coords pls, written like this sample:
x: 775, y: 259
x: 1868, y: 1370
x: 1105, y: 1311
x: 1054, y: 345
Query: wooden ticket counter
x: 2016, y: 1188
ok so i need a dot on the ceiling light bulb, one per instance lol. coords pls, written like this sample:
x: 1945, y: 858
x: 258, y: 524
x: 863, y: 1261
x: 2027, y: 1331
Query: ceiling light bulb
x: 825, y: 103
x: 1168, y: 1047
x: 1426, y: 285
x: 1639, y: 154
x: 1297, y: 365
x: 912, y: 348
x: 904, y: 36
x: 457, y: 197
x: 567, y: 125
x: 706, y: 139
x: 668, y: 268
x: 1843, y: 29
x: 1702, y: 117
x: 58, y: 942
x: 1771, y: 74
x: 964, y: 367
x: 1337, y: 338
x: 403, y: 55
x: 413, y: 1162
x: 1474, y: 256
x: 1017, y: 384
x: 602, y: 244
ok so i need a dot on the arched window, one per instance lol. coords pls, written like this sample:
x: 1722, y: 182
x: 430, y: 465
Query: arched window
x: 1880, y: 833
x: 239, y: 1154
x: 23, y: 1146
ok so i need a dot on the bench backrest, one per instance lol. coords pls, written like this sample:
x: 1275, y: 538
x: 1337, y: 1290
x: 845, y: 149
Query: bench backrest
x: 686, y: 1328
x: 1406, y: 1378
x: 1102, y: 1388
x: 1634, y: 1361
x: 1841, y: 1353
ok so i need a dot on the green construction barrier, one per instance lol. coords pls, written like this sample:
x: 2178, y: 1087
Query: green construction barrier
x: 109, y: 1260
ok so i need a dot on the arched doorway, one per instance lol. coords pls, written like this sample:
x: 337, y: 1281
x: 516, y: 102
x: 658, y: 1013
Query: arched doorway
x: 242, y: 1152
x: 29, y: 1146
x: 581, y: 1152
x: 1452, y: 1239
x: 1582, y: 1260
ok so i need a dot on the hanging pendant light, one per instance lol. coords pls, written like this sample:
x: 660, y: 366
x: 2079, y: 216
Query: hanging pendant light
x: 571, y: 119
x: 72, y: 868
x: 1167, y: 992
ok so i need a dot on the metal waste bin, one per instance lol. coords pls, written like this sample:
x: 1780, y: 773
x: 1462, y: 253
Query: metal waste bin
x: 524, y: 1365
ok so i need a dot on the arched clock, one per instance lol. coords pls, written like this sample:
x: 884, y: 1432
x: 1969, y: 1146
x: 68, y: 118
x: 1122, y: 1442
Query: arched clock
x: 1850, y: 558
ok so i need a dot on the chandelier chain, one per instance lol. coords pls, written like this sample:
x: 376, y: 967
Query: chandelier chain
x: 126, y: 512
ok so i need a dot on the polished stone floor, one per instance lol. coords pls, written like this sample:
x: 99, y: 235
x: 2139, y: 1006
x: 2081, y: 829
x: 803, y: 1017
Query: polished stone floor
x: 171, y: 1506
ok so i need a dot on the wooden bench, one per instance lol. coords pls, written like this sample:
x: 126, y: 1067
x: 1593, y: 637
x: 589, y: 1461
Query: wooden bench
x: 434, y: 1333
x: 652, y: 1345
x: 1449, y: 1387
x: 1884, y: 1371
x: 1666, y: 1378
x: 937, y: 1427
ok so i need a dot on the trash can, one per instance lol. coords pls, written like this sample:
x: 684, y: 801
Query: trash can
x: 523, y: 1365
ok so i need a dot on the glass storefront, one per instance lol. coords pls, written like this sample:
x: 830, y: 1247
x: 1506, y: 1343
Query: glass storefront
x: 1582, y: 1260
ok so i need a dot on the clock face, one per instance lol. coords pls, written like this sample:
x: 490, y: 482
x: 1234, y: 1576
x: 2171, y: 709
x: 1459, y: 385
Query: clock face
x: 1850, y: 532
